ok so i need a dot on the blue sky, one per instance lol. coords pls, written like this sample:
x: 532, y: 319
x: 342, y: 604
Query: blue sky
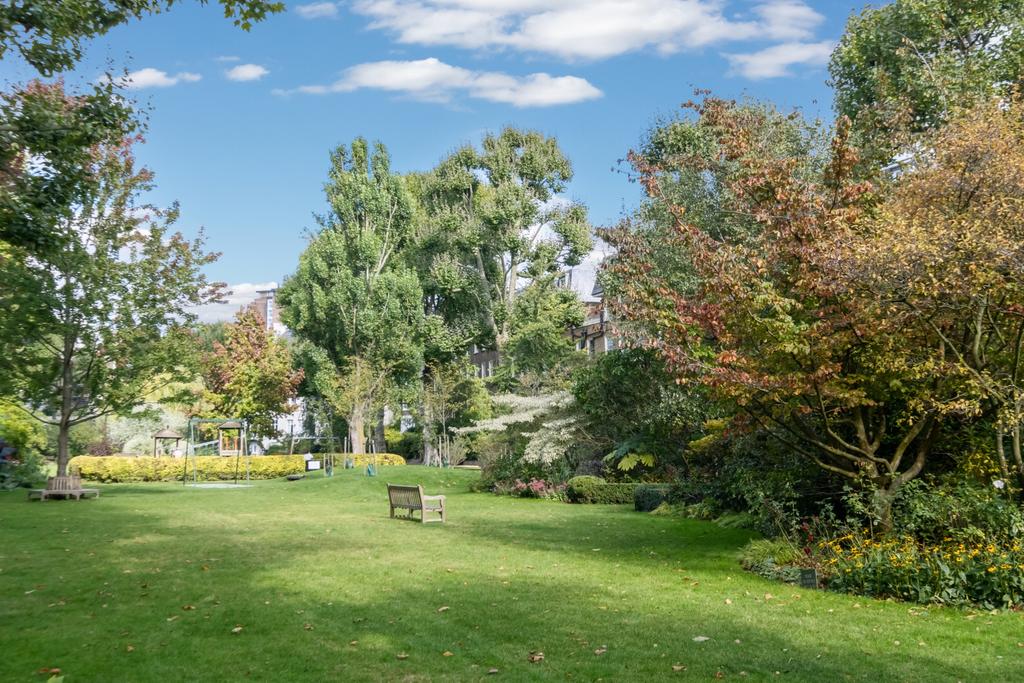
x: 241, y: 124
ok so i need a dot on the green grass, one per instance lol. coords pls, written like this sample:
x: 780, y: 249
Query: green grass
x: 97, y: 589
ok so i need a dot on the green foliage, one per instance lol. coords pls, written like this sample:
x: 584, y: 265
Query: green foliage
x: 20, y: 431
x: 94, y: 328
x: 775, y: 560
x: 49, y: 34
x: 408, y: 444
x: 906, y: 66
x: 987, y: 575
x: 124, y: 468
x: 43, y: 125
x: 353, y: 301
x: 250, y: 375
x: 957, y: 511
x: 587, y: 489
x: 482, y: 243
x: 647, y: 497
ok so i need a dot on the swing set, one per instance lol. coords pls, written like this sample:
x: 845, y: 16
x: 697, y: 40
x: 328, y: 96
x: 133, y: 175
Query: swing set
x: 231, y: 441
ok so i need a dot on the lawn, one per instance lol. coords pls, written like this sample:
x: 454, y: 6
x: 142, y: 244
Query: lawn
x: 151, y: 582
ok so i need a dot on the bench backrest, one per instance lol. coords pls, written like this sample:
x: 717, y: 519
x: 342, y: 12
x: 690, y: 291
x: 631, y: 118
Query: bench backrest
x: 68, y: 483
x: 405, y: 495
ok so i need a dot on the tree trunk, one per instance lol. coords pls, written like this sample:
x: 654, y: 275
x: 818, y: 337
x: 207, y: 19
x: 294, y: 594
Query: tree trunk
x: 356, y: 429
x: 1004, y: 468
x: 66, y: 397
x: 380, y: 444
x: 882, y: 502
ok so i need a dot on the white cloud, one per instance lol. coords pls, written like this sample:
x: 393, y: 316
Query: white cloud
x: 236, y: 296
x: 587, y: 29
x: 228, y: 58
x: 775, y: 61
x: 154, y: 78
x: 434, y: 81
x: 317, y: 10
x: 246, y: 72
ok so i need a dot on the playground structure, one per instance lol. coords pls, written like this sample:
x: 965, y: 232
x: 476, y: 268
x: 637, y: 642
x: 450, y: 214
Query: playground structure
x: 231, y: 441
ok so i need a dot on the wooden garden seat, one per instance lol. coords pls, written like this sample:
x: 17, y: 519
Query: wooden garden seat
x: 63, y: 487
x: 411, y: 498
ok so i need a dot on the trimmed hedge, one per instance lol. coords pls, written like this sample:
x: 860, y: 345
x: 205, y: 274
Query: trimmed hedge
x: 364, y: 459
x: 587, y: 489
x: 130, y: 468
x: 648, y: 497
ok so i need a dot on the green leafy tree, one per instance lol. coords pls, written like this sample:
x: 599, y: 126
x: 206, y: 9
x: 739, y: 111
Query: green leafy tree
x: 352, y: 299
x: 48, y: 34
x: 91, y: 329
x: 47, y: 138
x: 500, y: 225
x: 250, y: 375
x: 907, y: 66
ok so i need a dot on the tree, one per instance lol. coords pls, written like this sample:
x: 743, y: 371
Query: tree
x: 502, y: 223
x: 47, y: 139
x: 48, y: 34
x: 452, y: 397
x: 91, y: 329
x: 630, y: 405
x: 764, y: 318
x: 352, y: 299
x: 250, y: 375
x: 942, y: 258
x: 907, y: 66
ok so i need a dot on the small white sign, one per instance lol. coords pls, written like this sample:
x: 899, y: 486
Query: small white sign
x: 312, y: 465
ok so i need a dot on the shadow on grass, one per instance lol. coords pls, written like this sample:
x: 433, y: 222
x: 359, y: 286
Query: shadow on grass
x: 306, y: 577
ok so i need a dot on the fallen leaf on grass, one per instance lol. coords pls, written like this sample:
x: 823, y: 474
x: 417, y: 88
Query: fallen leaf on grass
x: 728, y: 601
x: 172, y: 618
x: 443, y: 608
x: 48, y: 670
x: 492, y: 671
x: 308, y: 627
x: 535, y: 657
x: 678, y: 667
x: 237, y: 629
x: 601, y: 650
x: 447, y: 653
x: 188, y: 608
x: 130, y: 648
x: 768, y: 596
x: 402, y: 655
x: 700, y: 639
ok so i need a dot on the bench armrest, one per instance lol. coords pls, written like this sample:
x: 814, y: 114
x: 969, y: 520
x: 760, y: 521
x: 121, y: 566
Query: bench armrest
x: 433, y: 497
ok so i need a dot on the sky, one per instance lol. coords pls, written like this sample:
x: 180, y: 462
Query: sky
x: 241, y: 124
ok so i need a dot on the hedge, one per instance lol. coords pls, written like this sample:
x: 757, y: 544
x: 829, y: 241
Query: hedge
x: 587, y: 489
x: 647, y: 497
x: 130, y: 468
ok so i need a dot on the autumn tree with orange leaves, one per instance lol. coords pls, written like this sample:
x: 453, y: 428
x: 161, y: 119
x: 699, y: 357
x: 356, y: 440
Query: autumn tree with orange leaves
x: 856, y: 322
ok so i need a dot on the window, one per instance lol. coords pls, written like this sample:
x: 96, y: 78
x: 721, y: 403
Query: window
x: 582, y: 345
x: 609, y: 343
x: 593, y: 346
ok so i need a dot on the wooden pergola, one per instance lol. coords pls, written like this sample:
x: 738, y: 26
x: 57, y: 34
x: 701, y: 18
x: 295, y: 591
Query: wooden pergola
x: 165, y: 434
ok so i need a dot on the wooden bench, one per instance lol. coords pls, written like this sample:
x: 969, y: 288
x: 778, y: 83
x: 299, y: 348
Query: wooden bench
x: 411, y: 498
x: 63, y: 487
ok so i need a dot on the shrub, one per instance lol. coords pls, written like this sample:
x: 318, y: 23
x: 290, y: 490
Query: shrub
x: 535, y: 488
x: 987, y: 575
x: 126, y: 468
x: 773, y: 559
x: 121, y: 468
x: 27, y: 438
x: 364, y: 459
x: 647, y: 497
x: 587, y: 489
x: 957, y: 511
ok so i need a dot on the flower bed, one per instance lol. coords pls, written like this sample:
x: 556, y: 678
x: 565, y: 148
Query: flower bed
x: 983, y: 574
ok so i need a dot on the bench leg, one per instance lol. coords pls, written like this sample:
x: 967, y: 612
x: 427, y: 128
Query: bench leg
x: 392, y: 512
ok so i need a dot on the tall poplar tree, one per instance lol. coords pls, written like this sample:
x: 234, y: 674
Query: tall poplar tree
x: 353, y: 301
